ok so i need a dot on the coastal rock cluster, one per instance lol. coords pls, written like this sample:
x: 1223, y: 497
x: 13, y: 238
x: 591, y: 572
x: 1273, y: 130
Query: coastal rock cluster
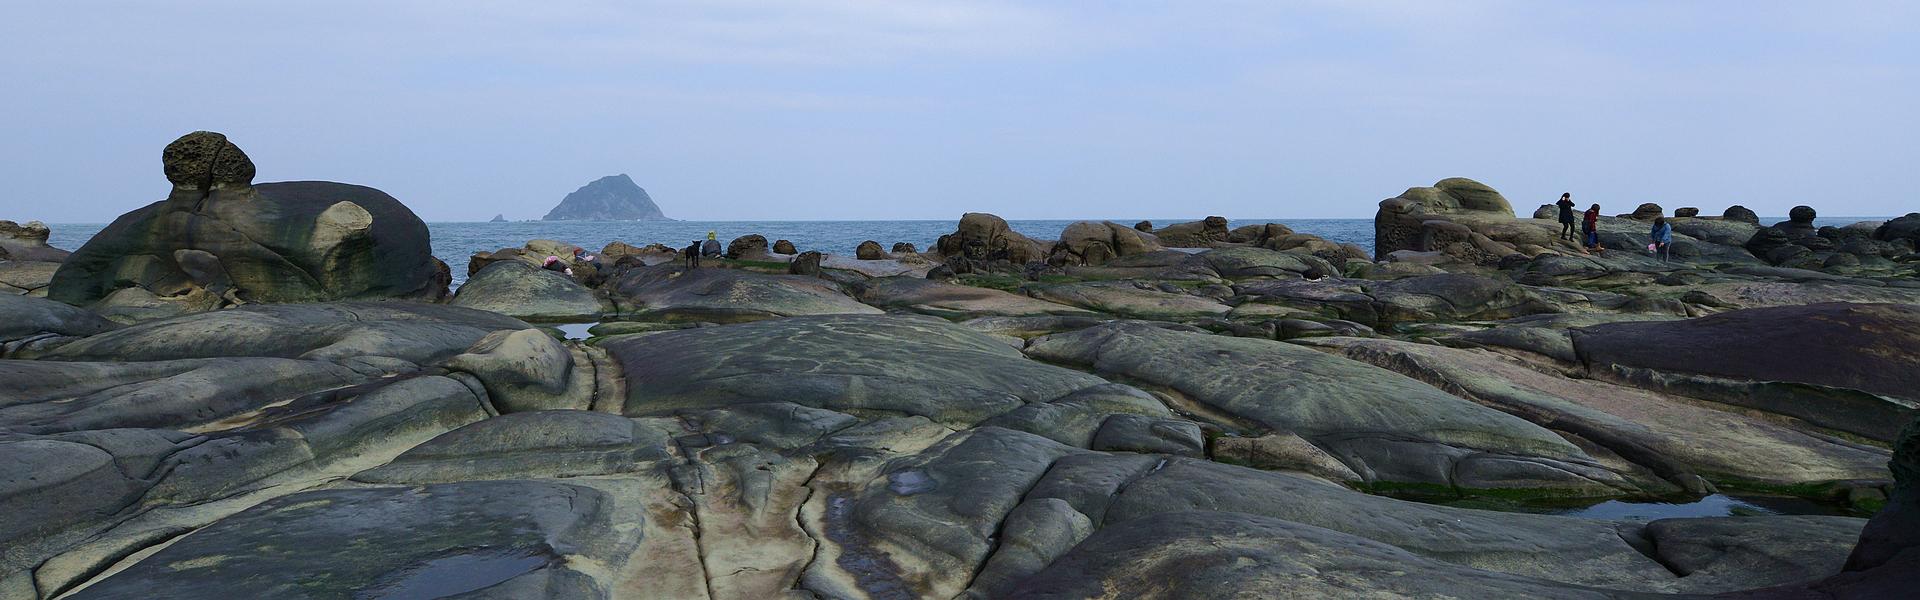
x: 1189, y: 411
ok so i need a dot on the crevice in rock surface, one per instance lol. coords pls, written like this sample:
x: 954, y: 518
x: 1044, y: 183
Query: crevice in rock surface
x: 1644, y: 543
x: 684, y: 475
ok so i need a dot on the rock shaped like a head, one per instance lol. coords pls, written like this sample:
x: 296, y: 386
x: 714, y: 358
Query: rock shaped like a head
x: 1802, y: 214
x: 205, y: 159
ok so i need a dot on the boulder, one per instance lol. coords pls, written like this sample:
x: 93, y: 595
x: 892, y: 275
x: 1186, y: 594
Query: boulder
x: 905, y: 248
x: 752, y: 246
x: 1741, y: 214
x: 1146, y: 226
x: 1195, y: 234
x: 870, y: 250
x: 1094, y: 243
x: 806, y: 263
x: 517, y: 289
x: 1905, y: 228
x: 1547, y: 212
x: 1459, y: 195
x: 1687, y: 211
x: 528, y: 370
x: 1450, y: 218
x: 221, y: 237
x: 1646, y: 212
x: 784, y: 247
x: 984, y: 237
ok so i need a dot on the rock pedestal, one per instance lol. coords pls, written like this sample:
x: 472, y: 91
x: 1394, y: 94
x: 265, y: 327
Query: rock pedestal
x: 220, y: 240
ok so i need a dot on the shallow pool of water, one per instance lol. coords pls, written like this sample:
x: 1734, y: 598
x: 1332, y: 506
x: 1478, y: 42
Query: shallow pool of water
x: 574, y: 331
x: 1717, y: 505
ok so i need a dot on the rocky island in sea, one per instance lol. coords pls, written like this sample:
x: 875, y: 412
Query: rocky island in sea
x: 610, y: 198
x: 265, y: 390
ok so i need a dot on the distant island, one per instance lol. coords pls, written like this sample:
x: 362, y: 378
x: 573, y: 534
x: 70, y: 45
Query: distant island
x: 500, y: 218
x: 610, y: 198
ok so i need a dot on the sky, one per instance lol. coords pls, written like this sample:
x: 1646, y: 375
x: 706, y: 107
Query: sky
x: 844, y: 109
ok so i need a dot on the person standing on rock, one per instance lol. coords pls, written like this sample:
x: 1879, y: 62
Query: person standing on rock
x: 693, y: 255
x: 1662, y: 237
x: 1566, y: 216
x: 1590, y: 228
x: 712, y: 246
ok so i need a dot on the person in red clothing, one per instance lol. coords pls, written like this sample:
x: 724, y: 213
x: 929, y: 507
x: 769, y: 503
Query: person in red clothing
x: 1590, y: 226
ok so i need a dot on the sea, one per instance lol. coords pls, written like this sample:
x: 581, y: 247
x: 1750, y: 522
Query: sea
x: 454, y: 242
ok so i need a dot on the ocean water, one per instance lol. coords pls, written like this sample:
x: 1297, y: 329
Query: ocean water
x: 453, y: 242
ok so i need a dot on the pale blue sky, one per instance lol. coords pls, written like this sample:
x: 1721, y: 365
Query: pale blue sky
x: 844, y: 109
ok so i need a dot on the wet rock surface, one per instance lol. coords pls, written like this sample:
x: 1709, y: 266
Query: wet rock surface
x: 1129, y: 412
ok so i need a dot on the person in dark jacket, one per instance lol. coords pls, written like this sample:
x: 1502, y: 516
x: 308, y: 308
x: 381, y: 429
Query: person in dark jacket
x: 712, y: 245
x: 1662, y: 235
x: 552, y: 263
x: 1590, y: 228
x: 1566, y: 216
x: 693, y: 255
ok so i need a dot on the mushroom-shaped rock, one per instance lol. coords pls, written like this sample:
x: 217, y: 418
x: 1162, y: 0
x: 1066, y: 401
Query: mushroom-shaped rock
x: 784, y: 247
x: 219, y: 240
x: 1740, y: 213
x: 1686, y: 211
x: 869, y: 250
x: 27, y: 242
x: 1646, y: 212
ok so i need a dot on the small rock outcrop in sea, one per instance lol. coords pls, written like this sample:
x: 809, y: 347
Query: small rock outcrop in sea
x: 498, y: 219
x: 221, y: 240
x: 610, y: 198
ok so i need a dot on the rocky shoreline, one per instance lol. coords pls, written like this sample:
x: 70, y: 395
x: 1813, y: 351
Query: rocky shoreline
x: 267, y: 390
